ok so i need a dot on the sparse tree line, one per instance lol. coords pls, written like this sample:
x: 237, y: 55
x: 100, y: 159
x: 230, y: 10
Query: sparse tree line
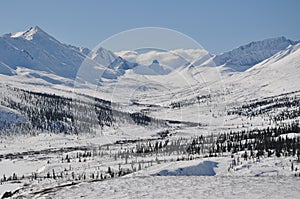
x: 245, y: 145
x: 264, y: 141
x: 282, y: 141
x: 289, y: 108
x: 199, y: 99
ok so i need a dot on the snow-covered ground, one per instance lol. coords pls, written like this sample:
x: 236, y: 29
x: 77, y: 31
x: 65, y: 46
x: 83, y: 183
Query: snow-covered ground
x: 190, y: 100
x: 184, y: 187
x: 208, y: 176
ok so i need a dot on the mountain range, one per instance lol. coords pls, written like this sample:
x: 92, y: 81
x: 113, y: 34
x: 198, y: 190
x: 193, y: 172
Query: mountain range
x: 36, y: 50
x: 36, y: 61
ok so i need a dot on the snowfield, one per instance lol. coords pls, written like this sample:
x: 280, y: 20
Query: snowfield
x: 184, y: 187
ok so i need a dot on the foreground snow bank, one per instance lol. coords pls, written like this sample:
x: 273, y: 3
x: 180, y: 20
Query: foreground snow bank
x: 185, y: 187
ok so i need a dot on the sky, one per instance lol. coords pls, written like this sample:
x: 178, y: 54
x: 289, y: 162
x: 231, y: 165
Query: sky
x: 218, y: 25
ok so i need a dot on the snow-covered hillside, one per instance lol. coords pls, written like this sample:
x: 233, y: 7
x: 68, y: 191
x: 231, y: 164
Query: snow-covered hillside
x: 9, y: 117
x: 273, y: 76
x: 246, y: 56
x: 185, y: 187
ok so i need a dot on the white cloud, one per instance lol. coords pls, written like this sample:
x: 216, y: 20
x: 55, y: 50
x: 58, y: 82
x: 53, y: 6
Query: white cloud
x: 173, y: 59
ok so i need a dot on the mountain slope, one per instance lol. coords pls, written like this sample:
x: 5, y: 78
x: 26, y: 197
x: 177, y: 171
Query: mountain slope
x: 36, y: 50
x: 275, y: 75
x: 9, y: 117
x: 246, y: 56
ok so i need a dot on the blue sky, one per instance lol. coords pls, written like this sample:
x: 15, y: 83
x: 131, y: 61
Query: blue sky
x: 217, y: 25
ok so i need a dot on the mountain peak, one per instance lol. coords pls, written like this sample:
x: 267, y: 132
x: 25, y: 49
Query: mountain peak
x: 155, y: 61
x: 37, y: 28
x: 271, y: 42
x: 29, y: 34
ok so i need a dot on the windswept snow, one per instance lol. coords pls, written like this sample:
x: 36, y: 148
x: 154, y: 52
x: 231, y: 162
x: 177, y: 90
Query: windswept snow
x: 185, y: 187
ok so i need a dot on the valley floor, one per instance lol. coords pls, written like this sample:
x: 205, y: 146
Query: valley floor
x: 202, y: 177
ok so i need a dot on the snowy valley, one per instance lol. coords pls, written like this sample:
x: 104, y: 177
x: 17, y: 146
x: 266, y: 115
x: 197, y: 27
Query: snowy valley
x: 76, y: 122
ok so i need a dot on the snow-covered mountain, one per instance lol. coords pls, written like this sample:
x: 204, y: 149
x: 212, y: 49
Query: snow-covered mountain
x: 155, y: 68
x: 273, y: 76
x: 35, y: 55
x: 111, y: 60
x: 38, y: 51
x: 246, y: 56
x: 236, y: 60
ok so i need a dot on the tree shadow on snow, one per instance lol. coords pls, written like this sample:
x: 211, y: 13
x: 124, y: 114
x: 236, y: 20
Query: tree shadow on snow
x: 203, y: 169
